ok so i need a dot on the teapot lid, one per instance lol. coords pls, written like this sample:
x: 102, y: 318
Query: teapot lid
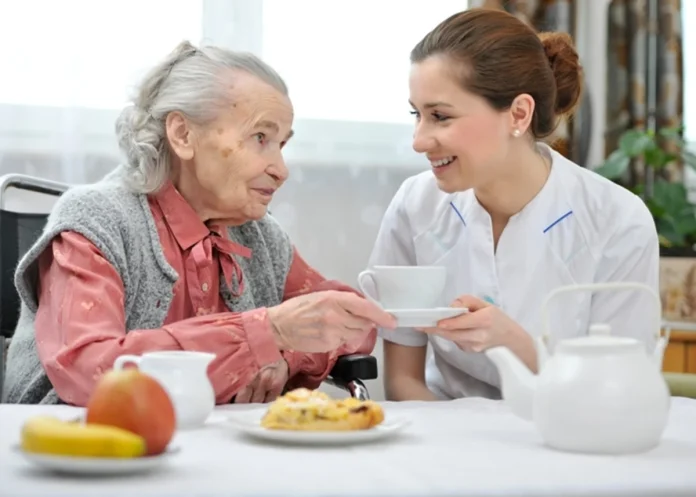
x: 599, y: 340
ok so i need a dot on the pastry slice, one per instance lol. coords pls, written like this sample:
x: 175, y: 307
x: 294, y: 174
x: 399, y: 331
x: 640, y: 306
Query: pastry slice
x: 308, y: 410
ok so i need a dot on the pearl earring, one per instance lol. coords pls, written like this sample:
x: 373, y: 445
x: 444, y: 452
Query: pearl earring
x: 516, y: 133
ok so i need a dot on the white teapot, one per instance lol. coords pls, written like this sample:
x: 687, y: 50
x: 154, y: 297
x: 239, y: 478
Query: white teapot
x: 597, y: 394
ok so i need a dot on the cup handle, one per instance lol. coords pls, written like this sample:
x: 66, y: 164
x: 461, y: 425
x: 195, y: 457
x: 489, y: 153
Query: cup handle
x: 126, y: 359
x: 365, y: 275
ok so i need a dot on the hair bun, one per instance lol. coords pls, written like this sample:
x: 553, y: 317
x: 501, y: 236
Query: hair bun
x: 567, y: 71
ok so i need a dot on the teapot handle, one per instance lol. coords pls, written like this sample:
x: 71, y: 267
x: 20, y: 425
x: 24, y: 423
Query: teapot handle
x: 619, y: 285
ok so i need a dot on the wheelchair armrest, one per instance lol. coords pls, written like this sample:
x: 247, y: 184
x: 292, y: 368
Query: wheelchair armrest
x: 354, y: 367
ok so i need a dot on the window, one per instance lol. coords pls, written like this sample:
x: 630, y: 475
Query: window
x: 72, y: 68
x: 87, y: 54
x: 350, y: 63
x: 69, y: 70
x: 346, y: 65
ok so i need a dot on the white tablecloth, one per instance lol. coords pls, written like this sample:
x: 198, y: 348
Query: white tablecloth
x: 458, y: 448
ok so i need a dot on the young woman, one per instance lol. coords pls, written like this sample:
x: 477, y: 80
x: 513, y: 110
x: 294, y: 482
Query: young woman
x: 509, y: 217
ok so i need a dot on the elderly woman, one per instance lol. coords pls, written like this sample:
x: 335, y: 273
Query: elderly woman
x: 174, y: 250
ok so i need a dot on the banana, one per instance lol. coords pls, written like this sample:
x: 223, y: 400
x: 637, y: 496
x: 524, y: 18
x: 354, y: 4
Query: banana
x: 49, y: 435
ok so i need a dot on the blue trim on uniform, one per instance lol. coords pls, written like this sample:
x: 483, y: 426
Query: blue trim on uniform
x: 557, y: 221
x: 458, y: 213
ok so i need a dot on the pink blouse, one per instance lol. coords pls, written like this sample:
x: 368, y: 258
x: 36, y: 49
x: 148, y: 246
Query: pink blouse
x: 80, y: 323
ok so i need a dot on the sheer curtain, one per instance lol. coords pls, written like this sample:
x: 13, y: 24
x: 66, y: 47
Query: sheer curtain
x: 69, y: 67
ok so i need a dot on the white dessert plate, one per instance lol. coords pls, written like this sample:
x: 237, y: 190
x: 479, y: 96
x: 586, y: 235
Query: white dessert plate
x: 249, y: 423
x: 103, y: 466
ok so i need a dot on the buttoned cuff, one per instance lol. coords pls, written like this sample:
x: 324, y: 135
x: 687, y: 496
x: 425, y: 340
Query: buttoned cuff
x: 260, y: 337
x: 294, y: 361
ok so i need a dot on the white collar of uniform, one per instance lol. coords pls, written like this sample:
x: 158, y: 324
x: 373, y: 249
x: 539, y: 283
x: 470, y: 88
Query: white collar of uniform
x: 545, y: 205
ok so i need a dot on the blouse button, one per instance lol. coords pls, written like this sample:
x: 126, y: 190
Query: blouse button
x: 205, y: 287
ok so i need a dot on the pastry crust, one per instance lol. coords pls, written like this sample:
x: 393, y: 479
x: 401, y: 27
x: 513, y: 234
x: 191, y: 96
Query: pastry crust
x: 308, y: 410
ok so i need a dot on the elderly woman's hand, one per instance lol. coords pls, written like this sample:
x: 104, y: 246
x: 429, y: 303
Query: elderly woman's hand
x: 267, y: 385
x: 323, y: 321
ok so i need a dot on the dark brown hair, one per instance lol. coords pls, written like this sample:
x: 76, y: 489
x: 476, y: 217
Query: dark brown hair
x: 501, y: 57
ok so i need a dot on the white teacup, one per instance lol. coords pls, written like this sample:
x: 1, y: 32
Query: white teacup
x: 404, y: 287
x: 184, y: 375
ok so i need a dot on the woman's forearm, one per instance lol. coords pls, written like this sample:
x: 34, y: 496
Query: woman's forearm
x: 406, y: 388
x: 522, y: 345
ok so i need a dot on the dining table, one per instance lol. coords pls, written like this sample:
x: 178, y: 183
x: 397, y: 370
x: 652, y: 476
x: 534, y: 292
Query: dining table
x: 465, y: 447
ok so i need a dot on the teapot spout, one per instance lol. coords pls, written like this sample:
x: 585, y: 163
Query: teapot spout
x: 517, y: 381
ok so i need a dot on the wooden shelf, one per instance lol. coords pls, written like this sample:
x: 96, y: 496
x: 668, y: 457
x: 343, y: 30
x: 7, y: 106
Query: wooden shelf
x: 680, y: 355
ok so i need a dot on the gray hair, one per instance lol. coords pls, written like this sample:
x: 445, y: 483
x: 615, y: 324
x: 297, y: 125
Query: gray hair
x: 189, y: 80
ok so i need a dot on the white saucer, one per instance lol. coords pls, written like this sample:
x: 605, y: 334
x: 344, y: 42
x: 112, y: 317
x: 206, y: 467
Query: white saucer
x: 424, y: 318
x: 97, y: 465
x: 249, y: 424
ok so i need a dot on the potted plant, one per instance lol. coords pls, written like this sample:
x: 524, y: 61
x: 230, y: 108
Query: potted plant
x: 653, y: 155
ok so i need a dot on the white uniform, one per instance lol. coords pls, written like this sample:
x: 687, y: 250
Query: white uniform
x: 580, y: 228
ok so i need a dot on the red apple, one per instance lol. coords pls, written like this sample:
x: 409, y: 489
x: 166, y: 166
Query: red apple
x: 134, y: 401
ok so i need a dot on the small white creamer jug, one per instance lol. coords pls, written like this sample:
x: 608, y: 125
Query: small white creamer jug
x: 184, y: 375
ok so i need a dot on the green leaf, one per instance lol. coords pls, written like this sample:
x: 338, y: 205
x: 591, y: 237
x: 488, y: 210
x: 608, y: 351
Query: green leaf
x: 673, y: 197
x: 686, y: 224
x: 667, y: 232
x: 635, y: 142
x: 657, y: 211
x: 615, y: 165
x: 674, y: 133
x: 674, y: 215
x: 657, y: 158
x: 677, y: 231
